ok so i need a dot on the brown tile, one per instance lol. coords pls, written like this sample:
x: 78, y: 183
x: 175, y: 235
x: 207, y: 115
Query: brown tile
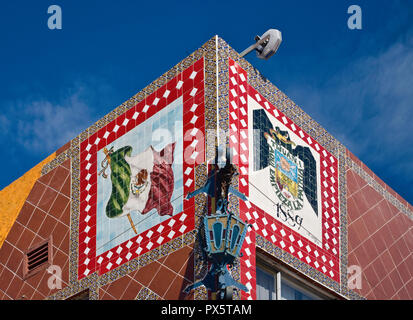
x: 187, y: 270
x: 388, y: 287
x: 25, y: 213
x: 380, y: 293
x: 60, y: 176
x: 370, y: 249
x: 371, y: 276
x: 162, y: 281
x: 36, y: 220
x: 386, y: 211
x: 25, y: 240
x: 387, y: 261
x: 58, y: 206
x: 15, y: 286
x: 59, y: 258
x: 65, y: 274
x: 5, y: 279
x: 65, y: 217
x: 352, y: 185
x: 47, y: 199
x: 396, y: 229
x: 176, y: 290
x: 45, y: 179
x: 59, y: 233
x: 379, y: 242
x: 404, y: 294
x: 64, y: 245
x: 103, y: 295
x: 16, y: 258
x: 359, y: 227
x: 15, y: 232
x: 26, y: 292
x: 47, y: 227
x: 396, y: 279
x: 132, y: 290
x: 371, y: 222
x: 43, y: 287
x: 353, y: 211
x: 66, y: 188
x: 117, y: 287
x: 145, y: 274
x: 36, y: 193
x: 5, y: 251
x: 38, y: 296
x: 366, y: 286
x: 360, y: 202
x: 395, y: 254
x: 379, y: 268
x: 177, y: 259
x: 63, y: 148
x: 66, y: 164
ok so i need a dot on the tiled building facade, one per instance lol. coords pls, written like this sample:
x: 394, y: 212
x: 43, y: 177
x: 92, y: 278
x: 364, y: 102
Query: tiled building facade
x: 329, y: 214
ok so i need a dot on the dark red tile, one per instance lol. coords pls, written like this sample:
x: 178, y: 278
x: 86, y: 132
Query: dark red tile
x: 47, y: 199
x: 388, y: 287
x: 63, y: 148
x: 36, y: 193
x: 118, y: 287
x: 387, y: 260
x: 132, y: 290
x: 145, y: 274
x: 162, y: 281
x: 396, y: 279
x: 59, y: 205
x: 5, y: 279
x: 66, y: 188
x: 36, y: 220
x: 26, y: 292
x: 5, y: 251
x: 177, y: 259
x: 15, y: 259
x: 15, y: 286
x: 25, y: 213
x: 176, y: 290
x: 25, y: 240
x: 47, y: 227
x: 15, y: 232
x: 60, y: 176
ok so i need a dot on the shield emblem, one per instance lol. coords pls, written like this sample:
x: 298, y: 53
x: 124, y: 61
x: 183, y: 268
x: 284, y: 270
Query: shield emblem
x: 286, y: 172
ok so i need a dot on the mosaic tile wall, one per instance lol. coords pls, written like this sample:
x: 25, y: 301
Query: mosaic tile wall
x: 45, y: 214
x: 214, y: 84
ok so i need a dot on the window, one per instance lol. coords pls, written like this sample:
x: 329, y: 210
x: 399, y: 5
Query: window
x: 37, y: 258
x: 273, y: 284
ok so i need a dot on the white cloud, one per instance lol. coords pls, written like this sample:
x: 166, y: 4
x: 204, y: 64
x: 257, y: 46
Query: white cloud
x: 43, y: 126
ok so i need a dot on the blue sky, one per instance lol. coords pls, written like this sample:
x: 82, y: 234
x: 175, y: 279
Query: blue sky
x: 358, y: 84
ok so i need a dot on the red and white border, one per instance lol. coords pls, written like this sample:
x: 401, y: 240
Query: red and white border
x: 325, y: 259
x: 189, y: 85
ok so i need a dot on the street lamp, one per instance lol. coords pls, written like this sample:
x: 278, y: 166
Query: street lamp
x: 266, y: 45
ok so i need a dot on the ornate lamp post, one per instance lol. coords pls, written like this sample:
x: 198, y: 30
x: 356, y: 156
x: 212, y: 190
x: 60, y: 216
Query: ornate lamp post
x: 224, y: 233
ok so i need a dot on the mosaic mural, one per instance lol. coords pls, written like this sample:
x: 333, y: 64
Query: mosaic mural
x: 135, y: 171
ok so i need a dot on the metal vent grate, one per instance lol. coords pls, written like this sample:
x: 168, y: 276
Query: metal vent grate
x: 37, y: 258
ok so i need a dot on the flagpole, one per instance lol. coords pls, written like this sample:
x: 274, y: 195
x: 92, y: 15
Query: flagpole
x: 131, y: 223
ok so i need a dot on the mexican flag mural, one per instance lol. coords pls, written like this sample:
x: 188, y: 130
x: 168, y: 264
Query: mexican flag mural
x: 140, y: 183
